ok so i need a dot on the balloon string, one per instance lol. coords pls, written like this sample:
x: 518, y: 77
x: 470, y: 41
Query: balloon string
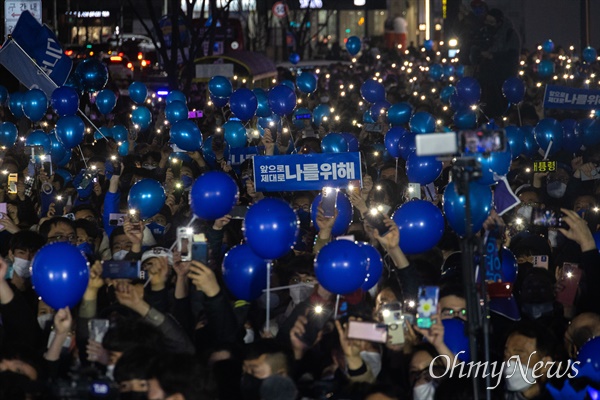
x: 519, y: 113
x: 91, y: 123
x: 337, y: 305
x: 268, y: 290
x: 548, y: 150
x: 429, y: 193
x: 396, y: 178
x: 82, y: 157
x: 289, y: 286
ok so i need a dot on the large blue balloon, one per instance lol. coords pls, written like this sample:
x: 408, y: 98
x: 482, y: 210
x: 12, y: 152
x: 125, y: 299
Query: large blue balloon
x: 141, y: 117
x: 572, y: 140
x: 15, y: 104
x: 379, y: 109
x: 176, y: 111
x: 35, y: 104
x: 70, y: 131
x: 375, y: 267
x: 208, y: 153
x: 294, y: 58
x: 456, y: 339
x: 465, y: 119
x: 119, y: 133
x: 288, y: 83
x: 272, y: 122
x: 334, y: 143
x: 175, y: 95
x: 531, y: 146
x: 344, y: 209
x: 92, y: 74
x: 436, y: 72
x: 421, y: 226
x: 219, y: 86
x: 341, y: 267
x: 60, y: 275
x: 546, y: 131
x: 497, y: 163
x: 392, y: 141
x: 457, y: 103
x: 213, y: 195
x: 353, y: 144
x: 235, y: 134
x: 546, y: 68
x: 589, y: 359
x: 428, y: 44
x: 186, y: 135
x: 146, y: 196
x: 244, y: 273
x: 138, y: 92
x: 514, y: 90
x: 469, y: 90
x: 123, y: 149
x: 3, y: 95
x: 57, y: 150
x: 589, y: 54
x: 306, y: 82
x: 271, y: 228
x: 446, y: 92
x: 353, y: 45
x: 589, y: 131
x: 372, y: 91
x: 219, y: 101
x: 282, y: 100
x: 243, y: 104
x: 106, y: 101
x: 548, y: 46
x: 399, y: 114
x: 263, y: 109
x: 8, y: 134
x: 407, y: 144
x: 65, y: 160
x: 321, y: 111
x: 423, y: 169
x: 39, y: 138
x: 67, y: 177
x: 460, y: 70
x: 516, y: 140
x: 422, y: 122
x: 454, y: 207
x: 509, y: 265
x: 65, y: 101
x: 448, y: 70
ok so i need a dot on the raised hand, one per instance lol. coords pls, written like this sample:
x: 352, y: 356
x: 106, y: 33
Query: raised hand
x: 204, y: 279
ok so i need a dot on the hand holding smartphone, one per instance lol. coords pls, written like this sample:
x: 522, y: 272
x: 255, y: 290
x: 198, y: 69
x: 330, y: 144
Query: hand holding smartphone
x: 328, y: 202
x: 428, y: 303
x: 184, y: 243
x: 376, y: 219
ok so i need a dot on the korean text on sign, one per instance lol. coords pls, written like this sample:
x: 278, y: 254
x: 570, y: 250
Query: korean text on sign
x: 571, y: 98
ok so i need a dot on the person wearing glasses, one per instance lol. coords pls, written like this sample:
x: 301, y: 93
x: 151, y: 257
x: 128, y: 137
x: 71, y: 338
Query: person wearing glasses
x: 58, y: 229
x: 452, y: 303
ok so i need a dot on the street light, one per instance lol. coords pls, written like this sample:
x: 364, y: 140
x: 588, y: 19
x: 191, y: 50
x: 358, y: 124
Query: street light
x: 360, y: 3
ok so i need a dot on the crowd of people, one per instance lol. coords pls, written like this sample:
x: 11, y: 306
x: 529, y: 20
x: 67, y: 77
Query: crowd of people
x: 181, y: 334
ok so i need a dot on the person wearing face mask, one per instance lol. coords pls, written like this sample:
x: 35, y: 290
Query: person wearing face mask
x: 159, y: 223
x: 88, y: 236
x: 423, y: 384
x: 22, y: 247
x: 263, y: 358
x: 132, y: 372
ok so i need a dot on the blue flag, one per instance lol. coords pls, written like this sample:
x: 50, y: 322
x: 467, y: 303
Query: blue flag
x: 34, y: 41
x: 569, y: 98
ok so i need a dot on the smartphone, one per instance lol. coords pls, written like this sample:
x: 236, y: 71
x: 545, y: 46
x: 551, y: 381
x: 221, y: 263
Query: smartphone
x: 123, y: 269
x: 3, y: 212
x: 370, y: 331
x: 59, y: 205
x: 239, y: 212
x: 184, y: 241
x: 482, y: 140
x: 414, y: 191
x: 88, y: 177
x: 376, y: 219
x: 12, y: 183
x: 546, y: 217
x: 374, y: 128
x: 499, y: 290
x: 328, y: 201
x: 200, y: 252
x: 540, y: 262
x: 176, y: 167
x: 428, y: 297
x: 393, y: 318
x: 353, y: 187
x: 134, y: 216
x: 178, y: 191
x: 47, y: 165
x: 116, y: 219
x: 97, y: 328
x: 317, y: 318
x: 568, y: 284
x: 116, y: 164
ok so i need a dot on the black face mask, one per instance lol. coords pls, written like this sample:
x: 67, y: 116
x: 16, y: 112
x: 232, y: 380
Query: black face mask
x: 133, y: 395
x: 535, y: 311
x: 250, y: 387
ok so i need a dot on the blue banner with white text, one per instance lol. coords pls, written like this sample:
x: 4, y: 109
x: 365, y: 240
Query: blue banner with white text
x: 298, y: 172
x: 568, y: 98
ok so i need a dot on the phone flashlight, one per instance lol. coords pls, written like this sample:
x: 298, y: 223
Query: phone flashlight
x: 569, y: 274
x: 93, y: 167
x: 59, y: 198
x: 519, y: 221
x: 527, y: 170
x: 318, y: 309
x: 178, y: 185
x: 113, y: 158
x: 271, y: 123
x: 385, y: 313
x: 350, y: 187
x: 190, y: 231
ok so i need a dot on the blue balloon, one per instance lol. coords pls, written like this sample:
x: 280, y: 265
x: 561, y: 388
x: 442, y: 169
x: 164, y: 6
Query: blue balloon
x: 282, y: 100
x: 321, y: 111
x: 392, y: 141
x: 378, y: 109
x: 423, y: 169
x: 219, y: 101
x: 454, y: 207
x: 589, y: 358
x: 67, y: 177
x: 60, y: 274
x: 271, y: 228
x: 572, y: 140
x: 399, y: 114
x: 39, y: 138
x: 270, y: 122
x: 460, y: 70
x: 70, y: 131
x: 106, y: 101
x: 175, y: 95
x: 448, y: 70
x: 119, y: 133
x: 306, y: 82
x: 465, y: 119
x: 74, y: 81
x: 469, y: 90
x: 289, y: 84
x: 92, y: 74
x: 213, y: 195
x: 367, y: 118
x: 457, y: 103
x: 263, y: 109
x: 446, y: 92
x: 456, y: 338
x: 353, y: 45
x: 35, y: 104
x: 65, y: 101
x: 243, y: 104
x: 341, y: 267
x: 372, y: 91
x: 589, y: 54
x: 138, y: 92
x: 303, y: 112
x: 407, y: 144
x: 65, y: 160
x: 516, y: 140
x: 57, y: 150
x: 514, y: 90
x: 428, y: 44
x: 334, y: 143
x: 3, y: 95
x: 147, y: 197
x: 546, y: 131
x: 422, y: 122
x: 208, y: 153
x: 495, y: 163
x: 436, y: 72
x: 142, y: 117
x: 219, y: 86
x: 353, y: 144
x: 344, y: 217
x: 548, y: 46
x: 8, y: 134
x: 531, y: 146
x: 176, y: 111
x: 244, y: 273
x: 235, y: 134
x: 546, y: 68
x: 375, y: 265
x: 589, y: 131
x: 509, y: 265
x: 123, y: 149
x: 294, y: 58
x: 186, y: 135
x: 421, y: 226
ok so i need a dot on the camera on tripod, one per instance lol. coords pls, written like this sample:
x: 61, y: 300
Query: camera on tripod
x: 468, y: 143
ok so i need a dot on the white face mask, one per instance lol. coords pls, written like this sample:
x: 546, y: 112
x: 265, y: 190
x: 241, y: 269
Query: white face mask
x: 110, y: 371
x: 556, y: 189
x: 43, y: 320
x: 301, y: 293
x: 249, y: 338
x: 525, y: 212
x: 21, y: 267
x: 120, y: 255
x: 515, y: 381
x: 425, y: 391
